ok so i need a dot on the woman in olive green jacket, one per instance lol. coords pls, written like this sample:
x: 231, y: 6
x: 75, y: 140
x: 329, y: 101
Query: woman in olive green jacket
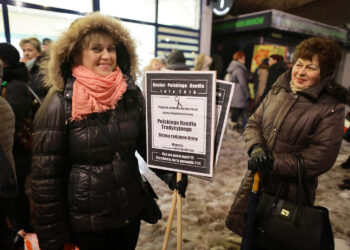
x: 302, y: 115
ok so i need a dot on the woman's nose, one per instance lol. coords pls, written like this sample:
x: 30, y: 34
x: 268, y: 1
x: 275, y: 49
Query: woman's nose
x: 105, y: 54
x: 302, y: 71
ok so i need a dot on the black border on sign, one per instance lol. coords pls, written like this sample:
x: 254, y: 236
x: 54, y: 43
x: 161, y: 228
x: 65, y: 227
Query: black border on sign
x: 224, y: 93
x: 180, y: 138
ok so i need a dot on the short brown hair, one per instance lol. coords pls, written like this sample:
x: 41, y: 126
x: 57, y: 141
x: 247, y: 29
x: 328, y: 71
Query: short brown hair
x: 33, y: 41
x: 238, y: 55
x: 327, y: 50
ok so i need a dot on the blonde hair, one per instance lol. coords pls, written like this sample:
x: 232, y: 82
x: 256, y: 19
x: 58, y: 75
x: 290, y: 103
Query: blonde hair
x: 33, y: 41
x: 202, y: 62
x: 160, y: 60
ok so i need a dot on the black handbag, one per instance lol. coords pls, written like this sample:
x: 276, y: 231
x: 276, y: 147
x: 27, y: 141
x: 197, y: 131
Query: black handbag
x: 151, y: 212
x: 283, y: 224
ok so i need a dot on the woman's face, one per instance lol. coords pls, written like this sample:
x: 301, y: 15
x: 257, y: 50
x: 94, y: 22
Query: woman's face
x: 29, y: 52
x: 242, y: 60
x: 156, y: 65
x: 100, y: 55
x: 271, y: 61
x: 306, y: 73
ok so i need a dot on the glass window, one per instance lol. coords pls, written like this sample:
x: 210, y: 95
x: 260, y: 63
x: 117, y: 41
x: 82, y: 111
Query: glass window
x: 77, y: 5
x: 26, y: 22
x: 2, y: 28
x: 132, y: 9
x: 144, y: 37
x: 184, y: 13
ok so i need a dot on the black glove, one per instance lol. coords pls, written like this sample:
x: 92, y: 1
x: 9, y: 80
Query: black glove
x: 170, y: 179
x: 260, y: 159
x: 181, y: 186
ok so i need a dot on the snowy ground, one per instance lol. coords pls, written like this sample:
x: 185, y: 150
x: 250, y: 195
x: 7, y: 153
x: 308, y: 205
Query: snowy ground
x: 207, y: 203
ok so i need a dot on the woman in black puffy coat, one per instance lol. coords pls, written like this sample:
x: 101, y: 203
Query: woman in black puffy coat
x: 84, y: 192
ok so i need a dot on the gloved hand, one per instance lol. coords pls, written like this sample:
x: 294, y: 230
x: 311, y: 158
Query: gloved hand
x: 181, y: 186
x: 260, y: 159
x: 170, y: 179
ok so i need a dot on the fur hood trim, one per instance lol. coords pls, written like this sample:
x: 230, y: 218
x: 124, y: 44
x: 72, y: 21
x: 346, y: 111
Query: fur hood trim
x: 60, y: 61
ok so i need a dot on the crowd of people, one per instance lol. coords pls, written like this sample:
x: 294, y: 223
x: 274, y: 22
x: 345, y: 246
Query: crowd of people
x: 79, y: 92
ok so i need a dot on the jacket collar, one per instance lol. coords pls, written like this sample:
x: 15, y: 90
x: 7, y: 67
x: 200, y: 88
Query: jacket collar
x: 234, y: 65
x: 314, y: 91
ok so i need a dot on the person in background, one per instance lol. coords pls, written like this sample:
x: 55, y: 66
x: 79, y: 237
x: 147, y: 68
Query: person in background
x: 8, y: 182
x: 33, y: 55
x: 46, y: 44
x: 262, y: 73
x: 218, y: 62
x: 202, y: 62
x: 36, y: 81
x: 177, y: 61
x: 301, y: 116
x: 277, y: 66
x: 240, y: 100
x: 31, y: 48
x: 84, y: 191
x: 15, y: 91
x: 156, y: 64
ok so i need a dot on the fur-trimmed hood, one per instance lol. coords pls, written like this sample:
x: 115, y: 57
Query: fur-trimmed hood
x: 59, y: 65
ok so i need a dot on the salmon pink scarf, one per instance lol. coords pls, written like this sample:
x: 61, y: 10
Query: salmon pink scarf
x: 93, y: 93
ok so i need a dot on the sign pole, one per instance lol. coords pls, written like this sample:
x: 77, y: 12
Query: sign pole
x: 179, y: 214
x: 170, y: 220
x: 177, y: 200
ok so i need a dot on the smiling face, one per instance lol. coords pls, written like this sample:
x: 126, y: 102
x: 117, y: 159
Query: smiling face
x: 306, y: 73
x: 99, y: 55
x: 29, y: 51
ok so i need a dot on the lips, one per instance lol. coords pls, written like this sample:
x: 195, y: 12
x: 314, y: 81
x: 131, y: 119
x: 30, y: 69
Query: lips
x: 301, y: 80
x: 104, y: 65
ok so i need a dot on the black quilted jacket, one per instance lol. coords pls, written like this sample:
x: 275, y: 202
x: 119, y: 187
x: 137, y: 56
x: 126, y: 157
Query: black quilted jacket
x: 78, y: 182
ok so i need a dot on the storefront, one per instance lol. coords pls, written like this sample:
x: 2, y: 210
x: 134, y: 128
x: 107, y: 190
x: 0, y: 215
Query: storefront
x: 272, y: 27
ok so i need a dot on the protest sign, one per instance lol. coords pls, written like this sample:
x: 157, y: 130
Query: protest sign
x: 181, y: 121
x: 224, y: 93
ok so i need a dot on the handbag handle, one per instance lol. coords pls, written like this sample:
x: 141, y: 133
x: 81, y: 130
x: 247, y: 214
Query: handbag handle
x: 301, y: 186
x: 302, y: 179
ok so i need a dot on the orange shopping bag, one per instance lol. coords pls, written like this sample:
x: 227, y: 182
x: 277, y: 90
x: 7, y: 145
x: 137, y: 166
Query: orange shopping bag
x: 31, y: 242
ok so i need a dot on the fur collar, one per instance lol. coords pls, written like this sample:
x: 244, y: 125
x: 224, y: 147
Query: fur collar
x: 326, y: 84
x: 57, y: 68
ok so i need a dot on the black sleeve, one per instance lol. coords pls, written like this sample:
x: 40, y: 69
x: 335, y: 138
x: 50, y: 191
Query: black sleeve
x: 49, y: 171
